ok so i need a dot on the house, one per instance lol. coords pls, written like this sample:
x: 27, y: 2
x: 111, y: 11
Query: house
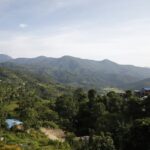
x: 14, y: 123
x: 145, y: 91
x: 137, y: 93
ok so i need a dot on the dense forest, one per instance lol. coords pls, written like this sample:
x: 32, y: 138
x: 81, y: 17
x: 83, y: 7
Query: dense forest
x: 90, y: 120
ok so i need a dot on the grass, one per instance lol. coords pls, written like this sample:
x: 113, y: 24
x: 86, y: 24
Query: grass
x: 10, y: 147
x: 11, y: 106
x: 33, y: 139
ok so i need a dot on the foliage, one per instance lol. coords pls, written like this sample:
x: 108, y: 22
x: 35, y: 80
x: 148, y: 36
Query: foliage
x: 94, y: 121
x: 139, y: 135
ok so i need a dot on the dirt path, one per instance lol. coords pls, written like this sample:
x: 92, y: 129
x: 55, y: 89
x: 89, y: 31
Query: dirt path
x: 54, y: 134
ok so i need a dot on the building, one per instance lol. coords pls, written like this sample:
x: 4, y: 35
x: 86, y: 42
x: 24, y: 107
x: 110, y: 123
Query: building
x: 14, y: 123
x: 145, y: 91
x: 137, y: 93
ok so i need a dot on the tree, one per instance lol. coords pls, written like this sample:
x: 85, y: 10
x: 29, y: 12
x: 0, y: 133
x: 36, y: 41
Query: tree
x: 146, y: 106
x: 113, y: 102
x: 27, y: 111
x: 138, y: 136
x: 31, y: 118
x: 97, y: 142
x: 102, y: 142
x: 67, y: 109
x: 128, y: 93
x: 91, y: 95
x: 89, y: 112
x: 3, y: 115
x: 79, y: 95
x: 134, y: 109
x: 83, y: 123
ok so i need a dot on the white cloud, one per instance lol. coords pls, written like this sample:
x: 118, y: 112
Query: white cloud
x: 126, y: 43
x: 22, y: 25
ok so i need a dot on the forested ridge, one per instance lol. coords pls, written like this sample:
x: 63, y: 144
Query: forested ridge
x: 76, y: 72
x: 90, y: 120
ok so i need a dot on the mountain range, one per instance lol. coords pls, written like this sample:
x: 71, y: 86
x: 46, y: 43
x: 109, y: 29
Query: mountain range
x: 78, y: 72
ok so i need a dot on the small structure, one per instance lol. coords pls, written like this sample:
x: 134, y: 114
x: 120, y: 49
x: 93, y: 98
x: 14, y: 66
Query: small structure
x: 145, y: 91
x: 14, y: 123
x: 137, y: 93
x: 1, y: 139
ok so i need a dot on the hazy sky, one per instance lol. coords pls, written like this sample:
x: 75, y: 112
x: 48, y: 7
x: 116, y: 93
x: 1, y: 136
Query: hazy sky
x: 118, y: 30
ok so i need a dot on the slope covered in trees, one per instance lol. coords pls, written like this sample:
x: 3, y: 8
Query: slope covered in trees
x: 140, y: 84
x: 81, y: 72
x: 90, y: 120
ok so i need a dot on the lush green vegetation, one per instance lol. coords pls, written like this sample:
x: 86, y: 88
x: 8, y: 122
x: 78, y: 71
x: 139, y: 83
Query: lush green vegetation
x: 91, y: 121
x: 29, y: 141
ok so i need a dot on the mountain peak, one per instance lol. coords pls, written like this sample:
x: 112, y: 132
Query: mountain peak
x: 67, y: 57
x: 108, y: 61
x: 41, y: 57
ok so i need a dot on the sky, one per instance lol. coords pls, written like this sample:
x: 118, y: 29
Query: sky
x: 118, y: 30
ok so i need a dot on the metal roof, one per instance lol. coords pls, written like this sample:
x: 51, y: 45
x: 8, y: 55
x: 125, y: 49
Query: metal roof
x: 146, y: 89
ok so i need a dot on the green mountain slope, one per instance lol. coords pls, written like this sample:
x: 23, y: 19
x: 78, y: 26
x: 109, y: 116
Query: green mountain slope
x: 139, y: 84
x: 20, y: 80
x: 81, y: 72
x: 4, y: 58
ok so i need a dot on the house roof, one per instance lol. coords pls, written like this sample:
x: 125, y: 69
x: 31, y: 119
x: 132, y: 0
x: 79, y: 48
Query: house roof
x: 12, y: 122
x: 146, y: 88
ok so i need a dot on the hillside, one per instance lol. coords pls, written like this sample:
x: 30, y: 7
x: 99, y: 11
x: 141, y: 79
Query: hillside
x: 81, y: 72
x: 4, y: 58
x: 23, y: 96
x: 21, y: 80
x: 55, y: 116
x: 139, y: 84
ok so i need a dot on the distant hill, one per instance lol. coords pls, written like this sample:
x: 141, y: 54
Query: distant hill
x: 81, y: 72
x: 4, y: 58
x: 140, y: 84
x: 23, y: 79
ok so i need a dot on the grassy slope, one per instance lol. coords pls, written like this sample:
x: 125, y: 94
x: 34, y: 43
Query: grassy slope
x: 34, y: 139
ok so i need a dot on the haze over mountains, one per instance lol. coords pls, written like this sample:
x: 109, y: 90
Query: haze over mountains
x: 81, y: 72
